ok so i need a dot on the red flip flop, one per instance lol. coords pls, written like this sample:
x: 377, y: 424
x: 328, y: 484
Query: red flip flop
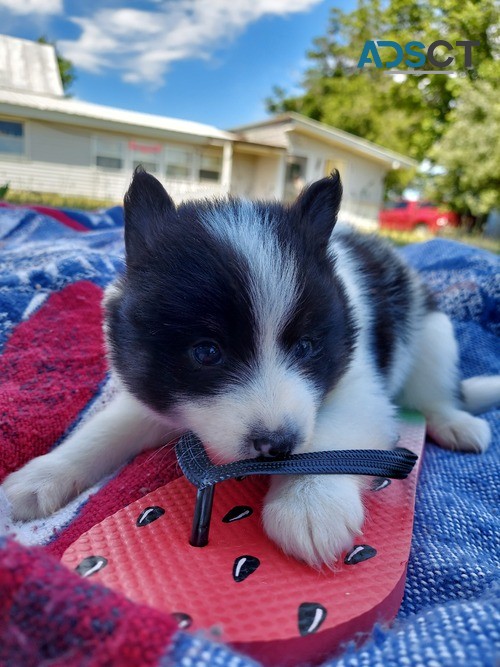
x: 263, y: 603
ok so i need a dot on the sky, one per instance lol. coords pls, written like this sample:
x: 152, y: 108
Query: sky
x: 212, y: 61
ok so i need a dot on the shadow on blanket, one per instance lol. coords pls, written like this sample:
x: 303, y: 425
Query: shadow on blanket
x: 53, y: 375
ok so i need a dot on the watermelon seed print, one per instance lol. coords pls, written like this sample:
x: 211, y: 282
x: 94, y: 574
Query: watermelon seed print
x: 91, y: 565
x: 184, y: 621
x: 237, y: 513
x: 360, y: 553
x: 244, y: 566
x: 380, y: 483
x: 149, y: 515
x: 311, y: 616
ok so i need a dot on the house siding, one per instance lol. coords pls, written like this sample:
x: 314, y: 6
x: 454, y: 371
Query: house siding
x: 362, y: 178
x: 59, y: 144
x: 243, y: 177
x: 61, y: 159
x: 274, y: 134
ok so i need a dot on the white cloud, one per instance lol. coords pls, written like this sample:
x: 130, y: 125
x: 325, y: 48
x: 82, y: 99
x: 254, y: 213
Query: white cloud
x: 26, y: 7
x: 143, y: 44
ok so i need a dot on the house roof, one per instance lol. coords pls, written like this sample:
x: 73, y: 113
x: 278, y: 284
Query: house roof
x: 29, y: 66
x: 256, y: 148
x: 75, y: 112
x: 30, y: 87
x: 298, y: 123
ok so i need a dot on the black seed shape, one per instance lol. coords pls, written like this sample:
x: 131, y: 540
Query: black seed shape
x: 244, y: 566
x: 149, y: 515
x: 311, y: 616
x: 237, y: 513
x: 183, y: 620
x: 241, y: 478
x: 380, y: 483
x: 91, y: 565
x: 359, y: 553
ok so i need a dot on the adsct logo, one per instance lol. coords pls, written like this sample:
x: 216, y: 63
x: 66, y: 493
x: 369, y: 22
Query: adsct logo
x: 417, y: 55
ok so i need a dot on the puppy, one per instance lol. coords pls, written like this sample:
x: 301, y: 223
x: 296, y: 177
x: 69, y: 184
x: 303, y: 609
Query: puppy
x: 254, y: 326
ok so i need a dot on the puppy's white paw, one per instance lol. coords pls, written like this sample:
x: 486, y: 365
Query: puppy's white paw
x: 314, y: 519
x: 460, y: 431
x: 40, y: 488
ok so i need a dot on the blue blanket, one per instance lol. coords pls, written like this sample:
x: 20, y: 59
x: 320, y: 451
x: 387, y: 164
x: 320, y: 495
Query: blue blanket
x: 450, y: 613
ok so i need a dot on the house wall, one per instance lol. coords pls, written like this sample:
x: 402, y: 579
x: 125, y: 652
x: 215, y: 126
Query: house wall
x: 58, y: 144
x: 257, y: 176
x: 269, y: 177
x: 243, y: 178
x: 274, y: 134
x: 363, y: 179
x: 61, y: 159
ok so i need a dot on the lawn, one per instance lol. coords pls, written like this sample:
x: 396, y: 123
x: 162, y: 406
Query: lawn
x: 474, y: 239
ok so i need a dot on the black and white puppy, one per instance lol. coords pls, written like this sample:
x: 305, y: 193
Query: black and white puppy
x: 254, y: 326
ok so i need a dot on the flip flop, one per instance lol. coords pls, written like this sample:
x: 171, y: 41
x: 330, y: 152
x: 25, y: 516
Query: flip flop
x: 269, y: 606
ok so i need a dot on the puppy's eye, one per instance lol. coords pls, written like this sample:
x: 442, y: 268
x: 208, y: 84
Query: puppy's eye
x: 207, y: 353
x: 303, y: 348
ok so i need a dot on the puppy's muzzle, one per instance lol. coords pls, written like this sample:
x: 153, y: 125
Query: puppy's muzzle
x: 274, y: 443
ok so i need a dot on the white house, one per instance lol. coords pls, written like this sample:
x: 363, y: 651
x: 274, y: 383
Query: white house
x: 51, y: 143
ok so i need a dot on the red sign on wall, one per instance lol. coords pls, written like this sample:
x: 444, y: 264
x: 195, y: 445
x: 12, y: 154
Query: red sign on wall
x: 144, y: 148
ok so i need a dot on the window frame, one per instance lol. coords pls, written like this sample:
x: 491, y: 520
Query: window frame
x: 191, y: 177
x: 160, y: 154
x: 95, y: 153
x: 209, y: 152
x: 25, y: 139
x: 196, y: 152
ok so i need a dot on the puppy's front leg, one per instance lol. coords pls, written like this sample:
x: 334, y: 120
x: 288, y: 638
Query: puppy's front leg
x: 316, y: 517
x: 107, y: 440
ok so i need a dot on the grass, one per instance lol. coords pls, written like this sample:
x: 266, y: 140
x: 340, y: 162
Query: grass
x: 26, y: 198
x: 471, y: 238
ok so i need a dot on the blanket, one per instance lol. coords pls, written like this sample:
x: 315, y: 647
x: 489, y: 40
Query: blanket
x: 54, y: 267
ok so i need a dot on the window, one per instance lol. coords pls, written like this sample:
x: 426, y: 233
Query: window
x: 178, y: 164
x: 295, y: 177
x: 210, y: 167
x: 109, y: 153
x: 11, y: 137
x: 146, y: 154
x: 392, y: 205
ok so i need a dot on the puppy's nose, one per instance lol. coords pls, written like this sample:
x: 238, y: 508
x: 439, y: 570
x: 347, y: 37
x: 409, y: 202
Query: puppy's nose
x: 274, y: 444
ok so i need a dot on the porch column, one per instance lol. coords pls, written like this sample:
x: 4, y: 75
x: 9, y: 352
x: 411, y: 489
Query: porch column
x: 280, y: 177
x: 227, y: 166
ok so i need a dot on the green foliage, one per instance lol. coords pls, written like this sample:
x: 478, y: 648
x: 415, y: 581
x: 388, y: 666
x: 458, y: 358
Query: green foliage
x: 66, y: 67
x: 413, y: 115
x: 3, y: 190
x: 469, y: 150
x: 56, y: 200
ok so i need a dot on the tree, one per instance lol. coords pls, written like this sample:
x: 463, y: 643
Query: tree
x: 66, y: 67
x: 469, y: 151
x: 409, y: 114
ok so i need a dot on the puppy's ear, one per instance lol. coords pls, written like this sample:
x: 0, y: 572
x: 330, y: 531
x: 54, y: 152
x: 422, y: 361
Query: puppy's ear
x: 317, y: 208
x: 148, y: 208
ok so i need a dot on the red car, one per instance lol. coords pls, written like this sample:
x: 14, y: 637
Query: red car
x: 418, y: 216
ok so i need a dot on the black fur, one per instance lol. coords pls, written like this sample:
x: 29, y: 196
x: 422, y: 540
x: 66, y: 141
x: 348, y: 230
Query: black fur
x: 182, y: 285
x: 392, y: 293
